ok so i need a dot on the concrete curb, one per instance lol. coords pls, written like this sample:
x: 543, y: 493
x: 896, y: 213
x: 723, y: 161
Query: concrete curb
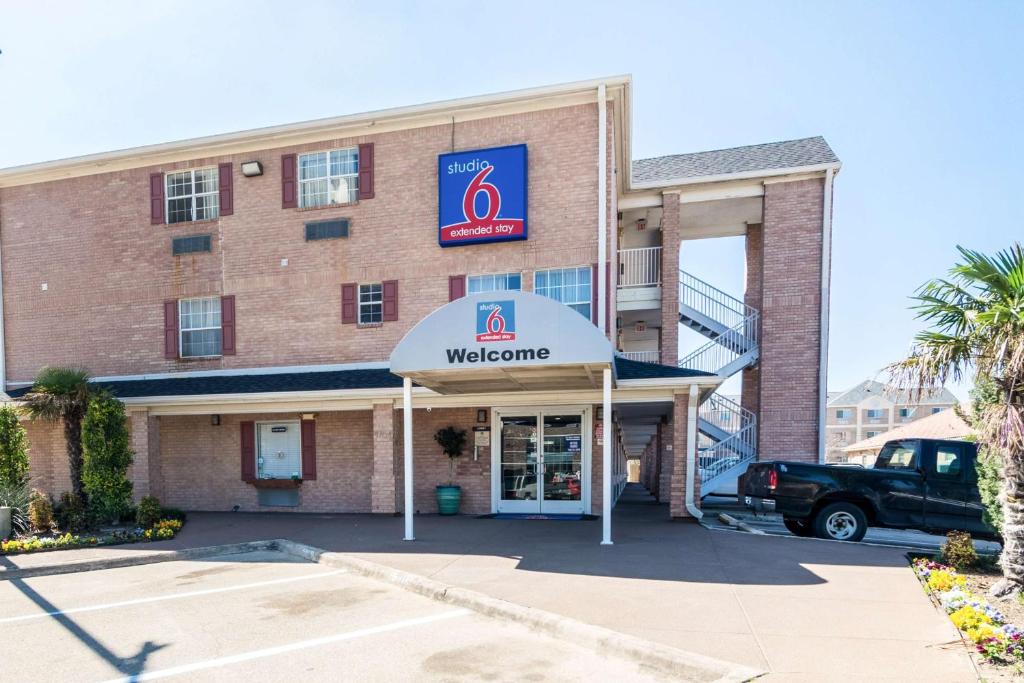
x: 732, y: 521
x: 135, y: 560
x: 680, y: 664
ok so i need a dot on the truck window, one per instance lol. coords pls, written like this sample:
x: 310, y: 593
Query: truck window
x: 948, y: 461
x: 897, y: 456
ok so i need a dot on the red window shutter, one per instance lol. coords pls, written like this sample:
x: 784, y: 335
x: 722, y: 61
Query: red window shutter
x: 349, y: 292
x: 593, y: 293
x: 171, y: 329
x: 289, y: 182
x: 366, y: 171
x: 227, y: 325
x: 456, y: 287
x: 156, y: 198
x: 227, y: 189
x: 308, y: 449
x: 248, y: 451
x: 390, y: 297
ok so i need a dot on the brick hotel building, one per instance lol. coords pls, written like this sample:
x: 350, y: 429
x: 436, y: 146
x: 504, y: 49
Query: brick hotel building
x: 268, y: 304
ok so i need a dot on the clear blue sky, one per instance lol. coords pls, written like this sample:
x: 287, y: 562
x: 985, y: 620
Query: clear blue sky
x: 921, y: 101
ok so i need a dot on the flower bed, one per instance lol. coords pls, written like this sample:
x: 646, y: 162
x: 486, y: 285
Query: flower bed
x: 163, y: 530
x: 995, y: 639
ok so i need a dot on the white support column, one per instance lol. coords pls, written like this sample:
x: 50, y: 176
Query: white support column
x: 407, y: 445
x: 606, y: 460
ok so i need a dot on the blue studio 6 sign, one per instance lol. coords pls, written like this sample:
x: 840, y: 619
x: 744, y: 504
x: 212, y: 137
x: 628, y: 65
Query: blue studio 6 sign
x: 482, y: 196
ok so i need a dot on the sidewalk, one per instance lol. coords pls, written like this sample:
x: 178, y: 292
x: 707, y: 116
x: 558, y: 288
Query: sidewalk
x: 801, y: 609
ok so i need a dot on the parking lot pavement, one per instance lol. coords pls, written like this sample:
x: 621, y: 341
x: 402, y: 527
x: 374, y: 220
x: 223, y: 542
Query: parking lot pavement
x: 899, y: 538
x: 265, y: 616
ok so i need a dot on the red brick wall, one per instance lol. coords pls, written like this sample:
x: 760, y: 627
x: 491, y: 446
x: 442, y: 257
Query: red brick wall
x: 791, y: 320
x: 671, y: 239
x: 750, y: 392
x: 108, y: 270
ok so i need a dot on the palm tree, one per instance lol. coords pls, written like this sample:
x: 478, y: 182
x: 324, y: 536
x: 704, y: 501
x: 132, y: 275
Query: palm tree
x: 62, y: 394
x: 976, y: 321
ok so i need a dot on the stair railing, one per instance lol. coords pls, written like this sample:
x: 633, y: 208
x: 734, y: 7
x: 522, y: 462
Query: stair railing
x: 727, y: 453
x: 711, y: 301
x: 725, y: 348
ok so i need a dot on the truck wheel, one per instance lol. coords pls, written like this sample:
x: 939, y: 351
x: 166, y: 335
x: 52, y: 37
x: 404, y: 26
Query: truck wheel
x: 798, y: 527
x: 841, y: 522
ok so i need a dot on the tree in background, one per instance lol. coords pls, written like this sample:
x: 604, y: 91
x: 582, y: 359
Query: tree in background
x: 107, y: 455
x: 13, y: 449
x: 62, y: 395
x: 976, y: 321
x: 989, y: 465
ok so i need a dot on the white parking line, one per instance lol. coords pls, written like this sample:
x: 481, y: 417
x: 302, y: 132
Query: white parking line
x: 283, y: 649
x: 173, y: 596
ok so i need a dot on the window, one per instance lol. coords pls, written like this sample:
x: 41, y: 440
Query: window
x: 492, y: 283
x: 192, y: 195
x: 200, y: 329
x: 371, y: 304
x: 870, y: 434
x: 279, y: 452
x: 843, y: 413
x: 571, y: 286
x: 936, y: 410
x: 947, y: 461
x: 876, y: 413
x: 327, y: 230
x: 190, y: 245
x: 897, y: 456
x: 904, y: 412
x: 327, y: 178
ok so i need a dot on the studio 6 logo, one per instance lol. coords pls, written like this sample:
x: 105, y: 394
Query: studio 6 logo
x: 482, y: 196
x: 496, y: 321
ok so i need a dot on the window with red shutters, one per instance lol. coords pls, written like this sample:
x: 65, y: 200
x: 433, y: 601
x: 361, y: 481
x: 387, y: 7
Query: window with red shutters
x: 156, y: 198
x: 349, y: 305
x: 248, y: 450
x: 289, y: 182
x: 366, y: 171
x: 390, y: 288
x: 225, y: 181
x: 171, y: 329
x: 308, y: 449
x: 227, y: 325
x: 456, y: 287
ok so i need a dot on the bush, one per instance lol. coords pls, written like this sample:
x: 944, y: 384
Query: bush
x: 148, y: 513
x: 40, y: 511
x: 990, y: 476
x: 70, y: 514
x: 13, y: 449
x: 106, y: 458
x: 958, y: 551
x: 172, y: 513
x: 16, y: 497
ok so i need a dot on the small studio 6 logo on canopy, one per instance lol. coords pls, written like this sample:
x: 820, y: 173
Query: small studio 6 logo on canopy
x: 482, y: 196
x: 496, y: 321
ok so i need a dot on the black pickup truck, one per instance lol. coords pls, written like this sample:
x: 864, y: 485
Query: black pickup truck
x: 924, y: 484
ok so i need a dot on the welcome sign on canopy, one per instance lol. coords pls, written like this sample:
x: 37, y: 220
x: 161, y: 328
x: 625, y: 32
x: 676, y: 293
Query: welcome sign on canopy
x: 482, y: 196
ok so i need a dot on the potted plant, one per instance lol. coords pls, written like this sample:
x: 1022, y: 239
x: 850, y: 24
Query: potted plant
x: 449, y: 495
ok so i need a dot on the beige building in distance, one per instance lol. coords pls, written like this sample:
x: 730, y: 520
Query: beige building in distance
x: 871, y: 409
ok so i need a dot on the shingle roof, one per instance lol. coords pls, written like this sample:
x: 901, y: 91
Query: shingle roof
x: 332, y: 380
x: 765, y: 157
x: 942, y: 425
x: 854, y: 396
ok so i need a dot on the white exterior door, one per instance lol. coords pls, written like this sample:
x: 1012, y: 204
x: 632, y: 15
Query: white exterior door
x: 541, y: 460
x: 279, y: 450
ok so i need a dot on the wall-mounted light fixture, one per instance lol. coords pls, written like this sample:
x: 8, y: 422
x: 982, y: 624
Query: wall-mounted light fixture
x: 308, y: 416
x: 215, y: 420
x: 600, y: 413
x: 251, y: 169
x: 481, y: 415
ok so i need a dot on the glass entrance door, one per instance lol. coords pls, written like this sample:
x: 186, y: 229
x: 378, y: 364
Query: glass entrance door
x: 541, y: 458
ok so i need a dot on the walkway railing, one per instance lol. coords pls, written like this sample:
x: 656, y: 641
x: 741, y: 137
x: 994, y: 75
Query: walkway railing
x: 640, y: 267
x: 642, y: 356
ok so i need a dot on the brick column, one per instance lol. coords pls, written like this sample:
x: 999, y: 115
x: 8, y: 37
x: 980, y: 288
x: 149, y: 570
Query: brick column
x: 677, y: 501
x: 750, y: 393
x: 791, y: 320
x: 670, y: 240
x: 144, y: 431
x: 382, y: 483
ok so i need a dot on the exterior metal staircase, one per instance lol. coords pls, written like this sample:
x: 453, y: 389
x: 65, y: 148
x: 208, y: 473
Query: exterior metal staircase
x: 728, y: 431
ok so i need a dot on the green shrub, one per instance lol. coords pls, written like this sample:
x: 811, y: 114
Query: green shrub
x: 148, y: 513
x: 106, y: 455
x: 958, y: 551
x: 990, y: 476
x: 40, y: 511
x: 172, y: 513
x: 13, y: 449
x: 70, y: 514
x: 16, y: 497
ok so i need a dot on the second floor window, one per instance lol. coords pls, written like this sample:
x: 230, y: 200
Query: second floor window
x: 492, y: 283
x: 327, y: 178
x: 571, y: 286
x: 843, y: 414
x: 371, y: 304
x: 904, y: 412
x: 199, y: 327
x: 876, y: 413
x: 192, y: 195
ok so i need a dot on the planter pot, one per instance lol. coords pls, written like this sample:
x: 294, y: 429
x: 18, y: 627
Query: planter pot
x: 448, y: 499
